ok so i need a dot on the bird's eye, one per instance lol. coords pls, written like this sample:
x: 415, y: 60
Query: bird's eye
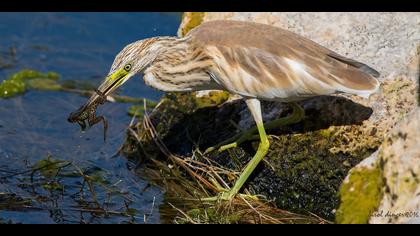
x: 127, y: 67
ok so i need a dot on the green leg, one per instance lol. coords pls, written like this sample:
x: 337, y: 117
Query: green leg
x: 250, y: 167
x: 297, y: 115
x: 255, y: 108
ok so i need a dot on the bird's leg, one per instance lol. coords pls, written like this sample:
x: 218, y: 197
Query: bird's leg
x: 297, y: 115
x: 255, y: 108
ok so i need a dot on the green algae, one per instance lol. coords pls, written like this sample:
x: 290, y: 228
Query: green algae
x: 19, y: 82
x: 360, y: 196
x: 49, y: 167
x: 43, y: 84
x: 10, y: 88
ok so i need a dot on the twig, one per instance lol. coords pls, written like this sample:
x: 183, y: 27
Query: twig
x: 183, y: 213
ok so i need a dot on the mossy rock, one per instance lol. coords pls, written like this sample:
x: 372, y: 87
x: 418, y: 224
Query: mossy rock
x: 302, y: 175
x: 360, y: 196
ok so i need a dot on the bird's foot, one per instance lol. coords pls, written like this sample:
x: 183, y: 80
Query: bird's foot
x: 234, y: 141
x: 221, y: 148
x: 246, y: 135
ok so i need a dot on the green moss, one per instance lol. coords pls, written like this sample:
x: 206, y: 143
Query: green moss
x: 214, y: 98
x: 194, y: 19
x: 360, y: 196
x: 326, y: 133
x: 22, y: 80
x: 305, y: 176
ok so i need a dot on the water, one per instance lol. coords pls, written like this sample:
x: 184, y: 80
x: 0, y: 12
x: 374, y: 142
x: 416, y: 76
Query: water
x: 78, y: 46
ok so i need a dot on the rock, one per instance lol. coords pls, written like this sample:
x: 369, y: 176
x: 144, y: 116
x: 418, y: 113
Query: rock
x: 399, y: 164
x: 361, y: 192
x: 307, y: 162
x: 386, y: 190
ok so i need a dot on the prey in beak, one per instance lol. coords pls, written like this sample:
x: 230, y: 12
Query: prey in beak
x: 85, y: 116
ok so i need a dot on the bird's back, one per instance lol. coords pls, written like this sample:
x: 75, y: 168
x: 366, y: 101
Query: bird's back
x: 271, y: 63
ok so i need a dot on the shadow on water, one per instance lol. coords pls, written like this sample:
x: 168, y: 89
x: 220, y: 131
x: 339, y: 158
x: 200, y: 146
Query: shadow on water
x: 88, y: 184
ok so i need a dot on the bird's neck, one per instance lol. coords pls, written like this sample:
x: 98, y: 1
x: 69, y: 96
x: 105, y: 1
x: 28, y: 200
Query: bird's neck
x: 160, y: 44
x: 157, y: 46
x: 179, y: 66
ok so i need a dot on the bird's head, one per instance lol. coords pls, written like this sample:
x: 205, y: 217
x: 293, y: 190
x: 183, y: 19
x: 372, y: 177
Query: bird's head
x: 132, y: 59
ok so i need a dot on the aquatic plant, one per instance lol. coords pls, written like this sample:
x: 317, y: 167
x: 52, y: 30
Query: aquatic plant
x: 19, y: 82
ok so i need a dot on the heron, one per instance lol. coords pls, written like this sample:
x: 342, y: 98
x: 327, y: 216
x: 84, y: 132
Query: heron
x: 255, y: 61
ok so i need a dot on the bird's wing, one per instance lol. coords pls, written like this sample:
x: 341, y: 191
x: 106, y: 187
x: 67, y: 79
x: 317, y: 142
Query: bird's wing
x: 276, y: 61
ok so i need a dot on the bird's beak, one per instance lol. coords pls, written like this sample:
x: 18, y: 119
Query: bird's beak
x: 109, y: 85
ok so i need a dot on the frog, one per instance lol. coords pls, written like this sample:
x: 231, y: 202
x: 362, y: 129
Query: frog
x: 87, y: 113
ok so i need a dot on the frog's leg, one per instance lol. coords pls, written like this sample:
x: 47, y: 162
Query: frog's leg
x: 96, y: 120
x: 82, y: 124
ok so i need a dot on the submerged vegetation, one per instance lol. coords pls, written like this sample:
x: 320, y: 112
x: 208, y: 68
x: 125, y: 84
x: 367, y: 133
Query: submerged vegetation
x: 88, y: 187
x: 19, y: 82
x: 77, y: 193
